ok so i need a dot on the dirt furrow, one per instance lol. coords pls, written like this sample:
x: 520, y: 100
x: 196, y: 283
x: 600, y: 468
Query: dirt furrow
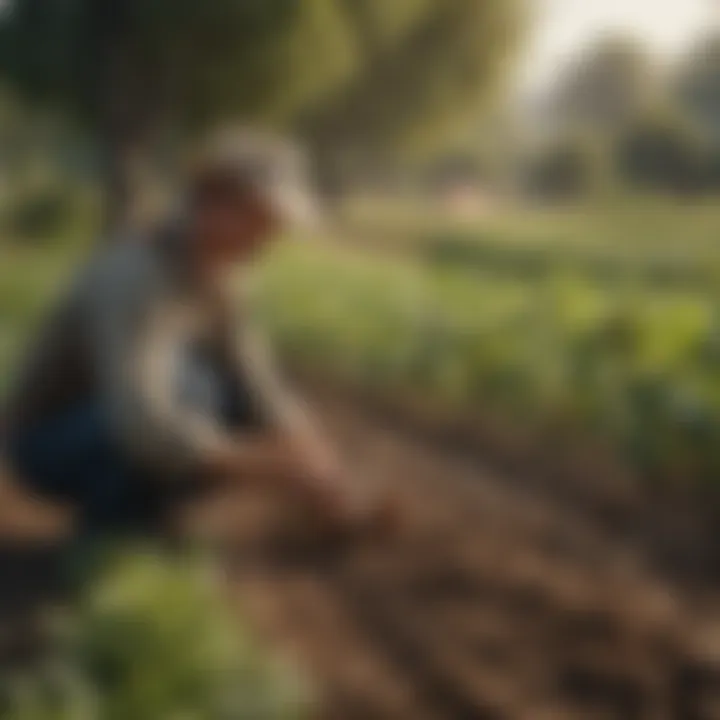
x: 493, y: 604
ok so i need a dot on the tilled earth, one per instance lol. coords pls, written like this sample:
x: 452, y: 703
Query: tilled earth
x: 496, y: 599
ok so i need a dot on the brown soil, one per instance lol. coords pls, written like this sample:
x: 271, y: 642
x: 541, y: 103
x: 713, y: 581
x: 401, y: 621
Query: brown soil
x: 497, y: 600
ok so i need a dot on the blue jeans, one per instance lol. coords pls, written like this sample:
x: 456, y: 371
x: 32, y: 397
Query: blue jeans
x: 74, y: 456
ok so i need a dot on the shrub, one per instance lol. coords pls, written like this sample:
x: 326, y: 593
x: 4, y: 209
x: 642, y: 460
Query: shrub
x: 41, y: 214
x: 573, y: 167
x: 150, y: 640
x: 663, y: 153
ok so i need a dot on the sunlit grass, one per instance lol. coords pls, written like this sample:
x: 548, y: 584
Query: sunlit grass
x: 152, y: 638
x: 637, y: 366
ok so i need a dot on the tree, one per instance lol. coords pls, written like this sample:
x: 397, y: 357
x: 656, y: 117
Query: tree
x: 607, y: 87
x: 572, y: 167
x: 416, y: 83
x: 348, y: 76
x: 698, y: 85
x: 663, y: 152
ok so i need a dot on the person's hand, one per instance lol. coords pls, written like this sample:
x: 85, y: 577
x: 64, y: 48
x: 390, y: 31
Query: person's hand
x: 328, y: 489
x: 343, y: 505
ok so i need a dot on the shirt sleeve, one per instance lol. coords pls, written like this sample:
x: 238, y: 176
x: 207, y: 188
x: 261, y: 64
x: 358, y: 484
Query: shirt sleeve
x: 279, y: 404
x: 137, y: 338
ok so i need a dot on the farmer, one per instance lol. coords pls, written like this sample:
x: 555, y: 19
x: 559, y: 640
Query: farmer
x: 144, y: 380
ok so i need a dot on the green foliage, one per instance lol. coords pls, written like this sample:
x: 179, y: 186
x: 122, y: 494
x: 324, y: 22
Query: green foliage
x: 608, y: 87
x: 665, y: 126
x: 481, y: 253
x: 574, y: 167
x: 632, y: 364
x: 443, y: 60
x: 697, y: 86
x: 41, y: 216
x: 151, y: 640
x: 64, y: 50
x: 335, y: 70
x: 30, y: 276
x: 661, y: 152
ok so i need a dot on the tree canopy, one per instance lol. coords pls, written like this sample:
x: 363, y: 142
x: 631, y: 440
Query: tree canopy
x: 345, y: 75
x: 662, y: 151
x: 698, y: 85
x: 611, y: 84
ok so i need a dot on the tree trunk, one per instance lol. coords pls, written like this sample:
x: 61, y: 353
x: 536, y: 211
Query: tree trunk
x: 121, y: 118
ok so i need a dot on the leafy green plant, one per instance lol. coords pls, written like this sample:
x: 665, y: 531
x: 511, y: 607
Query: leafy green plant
x: 151, y: 640
x: 633, y: 365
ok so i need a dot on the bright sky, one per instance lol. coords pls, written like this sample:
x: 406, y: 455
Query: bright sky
x: 563, y: 27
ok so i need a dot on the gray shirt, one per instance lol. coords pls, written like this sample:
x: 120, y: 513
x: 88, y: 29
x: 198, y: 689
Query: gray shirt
x: 117, y: 336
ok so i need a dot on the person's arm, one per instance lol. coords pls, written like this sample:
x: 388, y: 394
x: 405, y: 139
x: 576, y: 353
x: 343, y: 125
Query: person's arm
x: 323, y: 473
x: 321, y: 477
x: 136, y: 341
x: 256, y: 456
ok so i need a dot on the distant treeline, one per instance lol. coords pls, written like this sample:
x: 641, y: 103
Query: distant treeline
x: 662, y: 270
x: 617, y: 118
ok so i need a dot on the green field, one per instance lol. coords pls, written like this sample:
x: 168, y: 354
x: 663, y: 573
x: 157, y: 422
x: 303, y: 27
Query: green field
x: 568, y: 351
x: 626, y: 350
x: 150, y: 636
x: 665, y: 244
x: 622, y: 355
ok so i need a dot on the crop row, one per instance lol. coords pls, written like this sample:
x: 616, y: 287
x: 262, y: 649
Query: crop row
x: 639, y: 369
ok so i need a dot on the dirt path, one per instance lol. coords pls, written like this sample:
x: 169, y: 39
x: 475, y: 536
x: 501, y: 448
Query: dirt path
x: 496, y: 602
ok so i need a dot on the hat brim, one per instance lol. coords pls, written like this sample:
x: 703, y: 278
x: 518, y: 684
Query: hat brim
x: 294, y: 206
